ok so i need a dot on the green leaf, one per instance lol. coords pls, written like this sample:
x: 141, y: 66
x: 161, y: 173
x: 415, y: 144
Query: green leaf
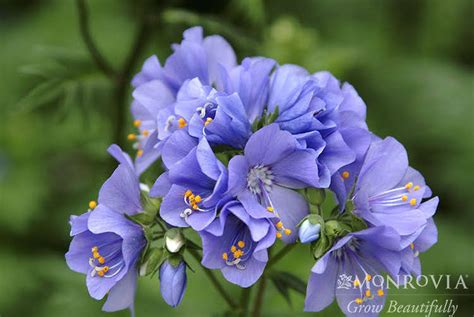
x: 285, y: 281
x: 153, y: 259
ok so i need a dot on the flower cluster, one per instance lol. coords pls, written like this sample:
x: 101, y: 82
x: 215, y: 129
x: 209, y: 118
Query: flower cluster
x: 248, y: 153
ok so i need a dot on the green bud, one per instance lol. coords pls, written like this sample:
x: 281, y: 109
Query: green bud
x: 152, y: 261
x: 315, y: 196
x: 320, y: 246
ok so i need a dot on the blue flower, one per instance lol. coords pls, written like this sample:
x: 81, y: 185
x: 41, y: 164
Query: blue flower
x: 173, y: 282
x: 389, y: 192
x: 193, y: 189
x: 264, y: 177
x: 106, y: 245
x: 359, y: 257
x: 237, y: 244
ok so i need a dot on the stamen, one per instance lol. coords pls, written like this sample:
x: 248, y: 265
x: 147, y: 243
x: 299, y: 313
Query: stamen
x: 270, y: 208
x: 92, y: 204
x: 412, y: 246
x: 358, y: 301
x: 224, y: 256
x: 139, y: 153
x: 208, y: 120
x: 182, y: 123
x: 241, y: 244
x: 367, y: 293
x: 279, y: 235
x: 404, y: 197
x: 145, y: 133
x: 345, y: 174
x: 137, y: 123
x: 416, y: 187
x: 132, y: 137
x: 413, y: 201
x: 380, y: 292
x: 409, y: 185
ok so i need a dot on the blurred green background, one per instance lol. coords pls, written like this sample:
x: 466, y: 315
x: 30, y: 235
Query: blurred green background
x: 411, y: 61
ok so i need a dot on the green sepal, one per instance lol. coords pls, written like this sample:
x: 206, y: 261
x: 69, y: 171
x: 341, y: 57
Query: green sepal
x: 315, y: 196
x: 152, y: 261
x: 175, y: 259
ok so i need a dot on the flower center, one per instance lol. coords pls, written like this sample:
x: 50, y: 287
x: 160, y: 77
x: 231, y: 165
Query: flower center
x: 405, y: 195
x: 240, y: 250
x: 192, y: 201
x: 106, y: 260
x: 260, y: 179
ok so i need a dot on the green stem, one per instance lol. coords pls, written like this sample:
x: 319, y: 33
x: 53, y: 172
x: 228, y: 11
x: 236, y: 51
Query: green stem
x: 280, y: 255
x: 215, y: 282
x: 245, y: 301
x: 259, y: 299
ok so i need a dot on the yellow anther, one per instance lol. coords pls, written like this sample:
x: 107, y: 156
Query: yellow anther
x: 413, y: 201
x: 100, y: 273
x: 279, y: 235
x: 238, y: 254
x: 194, y: 206
x: 101, y: 260
x: 367, y: 293
x: 356, y: 283
x: 224, y: 256
x: 182, y: 123
x: 412, y: 246
x: 279, y: 225
x: 92, y: 204
x: 416, y: 187
x: 208, y: 120
x: 409, y: 185
x: 188, y: 193
x: 198, y: 199
x: 145, y: 133
x: 358, y: 301
x: 270, y: 208
x: 105, y: 269
x: 404, y: 197
x: 233, y: 249
x: 368, y: 277
x: 132, y: 137
x: 287, y: 232
x: 95, y: 249
x: 241, y: 244
x: 380, y: 292
x: 96, y: 255
x: 137, y: 123
x: 139, y: 153
x: 345, y: 174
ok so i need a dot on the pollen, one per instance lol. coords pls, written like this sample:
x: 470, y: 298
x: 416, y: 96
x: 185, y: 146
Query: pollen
x: 224, y: 256
x: 182, y: 123
x: 412, y: 246
x: 137, y: 123
x: 409, y: 185
x: 367, y: 293
x: 241, y: 244
x: 188, y: 193
x: 358, y: 301
x: 132, y: 137
x: 279, y: 235
x: 101, y: 260
x: 270, y: 208
x: 92, y: 204
x: 279, y: 225
x: 100, y: 273
x: 345, y: 174
x: 380, y: 292
x: 96, y: 255
x: 416, y: 187
x: 287, y: 232
x: 233, y: 249
x: 145, y: 133
x: 404, y: 197
x: 356, y: 283
x: 368, y: 277
x: 95, y: 249
x: 105, y: 269
x: 413, y: 201
x: 139, y: 153
x: 208, y: 120
x: 198, y: 199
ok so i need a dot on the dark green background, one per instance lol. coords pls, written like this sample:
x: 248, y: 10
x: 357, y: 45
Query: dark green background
x: 411, y: 61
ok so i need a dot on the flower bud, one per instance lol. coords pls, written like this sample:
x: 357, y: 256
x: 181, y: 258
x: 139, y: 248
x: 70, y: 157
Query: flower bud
x: 309, y: 232
x: 174, y: 240
x: 173, y: 282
